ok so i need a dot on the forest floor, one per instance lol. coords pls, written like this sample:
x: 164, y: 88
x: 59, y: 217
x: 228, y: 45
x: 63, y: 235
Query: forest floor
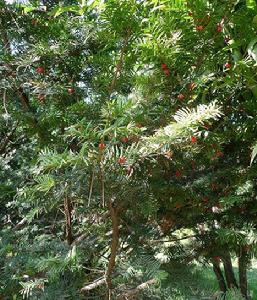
x: 199, y: 283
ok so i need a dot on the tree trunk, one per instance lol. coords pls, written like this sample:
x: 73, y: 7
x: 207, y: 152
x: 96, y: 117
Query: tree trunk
x: 229, y: 272
x: 67, y: 212
x: 219, y: 276
x: 114, y: 213
x: 242, y: 267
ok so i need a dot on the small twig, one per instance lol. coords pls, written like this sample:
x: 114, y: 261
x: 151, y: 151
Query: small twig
x: 54, y: 222
x: 68, y: 221
x: 4, y: 102
x: 91, y: 189
x: 176, y: 240
x: 20, y: 224
x: 120, y: 62
x: 102, y: 183
x: 94, y: 270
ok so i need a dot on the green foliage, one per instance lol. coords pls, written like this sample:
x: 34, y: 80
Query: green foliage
x: 144, y: 107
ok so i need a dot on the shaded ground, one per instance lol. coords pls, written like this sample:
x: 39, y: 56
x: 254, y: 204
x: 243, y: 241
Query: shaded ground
x: 199, y: 283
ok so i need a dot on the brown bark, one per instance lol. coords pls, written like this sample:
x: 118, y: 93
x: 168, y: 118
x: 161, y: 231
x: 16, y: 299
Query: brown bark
x: 24, y: 99
x: 133, y: 292
x: 242, y: 268
x: 120, y: 62
x: 114, y: 213
x: 98, y: 282
x: 67, y: 212
x: 219, y: 276
x: 229, y: 272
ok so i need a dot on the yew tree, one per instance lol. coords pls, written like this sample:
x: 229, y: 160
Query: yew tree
x: 124, y: 125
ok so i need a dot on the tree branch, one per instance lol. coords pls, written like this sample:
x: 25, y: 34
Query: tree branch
x: 133, y: 292
x: 176, y: 240
x: 120, y: 62
x: 98, y: 282
x: 67, y: 212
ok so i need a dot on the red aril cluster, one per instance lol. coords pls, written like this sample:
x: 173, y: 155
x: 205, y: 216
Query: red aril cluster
x: 165, y: 69
x: 199, y: 27
x: 71, y: 91
x: 181, y: 97
x: 40, y: 70
x: 101, y: 146
x: 122, y: 160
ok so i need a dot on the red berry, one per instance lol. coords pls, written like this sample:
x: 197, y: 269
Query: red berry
x: 178, y: 173
x: 164, y: 66
x: 219, y: 154
x: 40, y: 70
x: 181, y: 97
x: 190, y: 14
x: 122, y: 160
x: 199, y: 28
x: 178, y: 205
x: 166, y: 72
x: 217, y: 259
x: 71, y: 91
x: 125, y: 139
x: 101, y: 146
x: 193, y: 139
x: 227, y: 65
x: 191, y: 86
x: 219, y: 28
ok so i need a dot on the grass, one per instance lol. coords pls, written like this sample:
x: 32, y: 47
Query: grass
x: 199, y: 283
